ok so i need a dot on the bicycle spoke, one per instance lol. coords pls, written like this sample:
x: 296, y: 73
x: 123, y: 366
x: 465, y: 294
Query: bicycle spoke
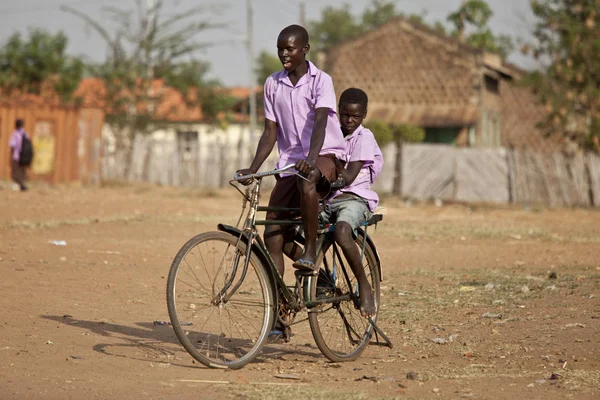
x: 340, y: 332
x: 228, y: 333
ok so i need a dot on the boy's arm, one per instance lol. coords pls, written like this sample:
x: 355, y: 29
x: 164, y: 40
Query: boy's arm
x: 316, y: 141
x: 265, y: 145
x: 318, y: 135
x: 351, y: 171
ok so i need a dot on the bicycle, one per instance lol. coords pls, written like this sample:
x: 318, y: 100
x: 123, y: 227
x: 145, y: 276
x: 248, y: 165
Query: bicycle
x: 223, y: 319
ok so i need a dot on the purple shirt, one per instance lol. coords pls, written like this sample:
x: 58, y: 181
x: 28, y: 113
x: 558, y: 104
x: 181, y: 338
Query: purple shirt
x: 15, y: 142
x: 362, y: 146
x: 293, y: 109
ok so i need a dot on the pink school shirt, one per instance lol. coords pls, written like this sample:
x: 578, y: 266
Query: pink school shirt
x: 15, y: 142
x: 362, y: 146
x: 293, y: 109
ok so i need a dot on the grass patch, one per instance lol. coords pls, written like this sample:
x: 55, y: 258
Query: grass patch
x: 495, y: 291
x: 462, y: 231
x: 55, y: 223
x: 260, y: 392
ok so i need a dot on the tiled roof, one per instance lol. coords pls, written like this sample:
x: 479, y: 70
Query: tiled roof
x: 172, y: 106
x: 243, y: 92
x: 411, y: 75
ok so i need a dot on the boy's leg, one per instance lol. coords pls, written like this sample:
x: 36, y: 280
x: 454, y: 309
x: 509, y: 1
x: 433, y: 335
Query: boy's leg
x: 326, y: 168
x: 18, y: 174
x: 309, y: 207
x: 284, y: 194
x: 351, y: 215
x: 292, y: 250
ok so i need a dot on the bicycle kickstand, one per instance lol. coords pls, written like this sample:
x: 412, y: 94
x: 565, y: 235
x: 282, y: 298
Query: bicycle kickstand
x: 379, y: 333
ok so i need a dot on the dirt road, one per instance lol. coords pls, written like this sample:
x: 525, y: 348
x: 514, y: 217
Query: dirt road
x: 76, y: 321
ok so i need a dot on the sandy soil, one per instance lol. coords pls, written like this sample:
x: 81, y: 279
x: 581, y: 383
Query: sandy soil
x: 76, y: 321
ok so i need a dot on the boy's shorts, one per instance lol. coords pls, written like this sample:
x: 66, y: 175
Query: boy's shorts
x: 287, y: 194
x: 349, y: 208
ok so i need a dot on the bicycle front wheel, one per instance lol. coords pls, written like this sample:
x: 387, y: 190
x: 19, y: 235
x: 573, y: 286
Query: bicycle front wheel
x: 340, y: 332
x: 220, y: 311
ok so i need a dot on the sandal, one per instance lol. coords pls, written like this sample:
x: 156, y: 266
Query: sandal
x: 304, y: 265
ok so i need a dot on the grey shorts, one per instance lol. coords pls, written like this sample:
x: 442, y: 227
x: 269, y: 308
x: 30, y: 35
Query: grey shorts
x: 349, y: 208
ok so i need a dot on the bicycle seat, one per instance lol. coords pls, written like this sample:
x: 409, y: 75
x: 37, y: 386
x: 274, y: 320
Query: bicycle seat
x: 374, y: 219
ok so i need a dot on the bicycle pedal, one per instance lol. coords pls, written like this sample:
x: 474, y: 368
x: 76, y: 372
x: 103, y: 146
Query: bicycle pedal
x: 302, y: 273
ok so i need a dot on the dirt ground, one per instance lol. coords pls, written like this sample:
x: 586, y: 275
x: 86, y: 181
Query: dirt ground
x: 480, y: 302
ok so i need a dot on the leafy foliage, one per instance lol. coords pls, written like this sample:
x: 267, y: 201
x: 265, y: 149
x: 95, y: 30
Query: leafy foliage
x: 476, y: 14
x: 337, y: 25
x: 568, y: 39
x: 39, y: 62
x: 146, y: 47
x: 382, y: 131
x: 385, y: 133
x: 378, y: 14
x: 266, y: 65
x: 408, y: 133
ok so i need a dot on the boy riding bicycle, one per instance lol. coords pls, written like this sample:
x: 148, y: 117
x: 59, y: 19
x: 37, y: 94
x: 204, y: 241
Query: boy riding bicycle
x: 353, y: 205
x: 300, y: 117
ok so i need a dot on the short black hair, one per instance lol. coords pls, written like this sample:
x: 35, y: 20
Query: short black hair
x: 299, y: 31
x: 19, y: 123
x: 354, y: 96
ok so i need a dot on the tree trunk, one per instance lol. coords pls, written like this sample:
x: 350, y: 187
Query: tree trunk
x: 127, y: 148
x: 397, y: 185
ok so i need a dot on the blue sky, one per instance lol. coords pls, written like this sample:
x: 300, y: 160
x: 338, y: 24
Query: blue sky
x: 228, y: 56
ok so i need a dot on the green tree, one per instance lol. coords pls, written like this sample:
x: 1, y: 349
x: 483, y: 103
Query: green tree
x: 568, y: 41
x: 377, y: 14
x: 382, y: 131
x: 28, y: 65
x: 476, y: 14
x: 337, y: 25
x: 145, y: 46
x: 398, y: 134
x: 266, y: 64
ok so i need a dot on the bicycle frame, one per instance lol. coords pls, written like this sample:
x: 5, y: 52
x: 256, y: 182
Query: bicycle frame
x: 250, y: 236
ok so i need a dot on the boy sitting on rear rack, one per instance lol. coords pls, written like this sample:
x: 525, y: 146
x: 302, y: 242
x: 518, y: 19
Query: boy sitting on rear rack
x: 352, y: 206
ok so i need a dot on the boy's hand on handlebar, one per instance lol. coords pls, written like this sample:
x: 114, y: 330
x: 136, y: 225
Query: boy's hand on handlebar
x: 242, y: 172
x: 305, y: 167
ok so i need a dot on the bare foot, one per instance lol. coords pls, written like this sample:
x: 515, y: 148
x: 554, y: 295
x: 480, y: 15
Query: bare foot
x: 367, y: 302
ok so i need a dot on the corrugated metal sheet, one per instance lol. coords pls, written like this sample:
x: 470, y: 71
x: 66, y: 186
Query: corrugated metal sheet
x: 64, y: 140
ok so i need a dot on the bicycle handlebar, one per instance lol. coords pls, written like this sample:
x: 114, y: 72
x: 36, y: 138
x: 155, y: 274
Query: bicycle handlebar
x: 263, y: 174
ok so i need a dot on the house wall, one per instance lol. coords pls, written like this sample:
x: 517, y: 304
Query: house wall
x: 490, y: 119
x: 416, y: 76
x: 63, y: 139
x: 521, y: 114
x: 159, y: 158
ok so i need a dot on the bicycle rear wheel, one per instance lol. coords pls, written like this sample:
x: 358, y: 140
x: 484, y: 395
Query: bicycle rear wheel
x: 219, y: 327
x: 340, y: 332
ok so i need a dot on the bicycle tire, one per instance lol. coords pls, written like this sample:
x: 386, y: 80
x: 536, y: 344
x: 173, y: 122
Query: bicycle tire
x: 218, y: 342
x: 333, y: 333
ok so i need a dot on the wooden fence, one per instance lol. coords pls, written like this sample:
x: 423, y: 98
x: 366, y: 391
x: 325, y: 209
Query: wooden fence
x: 428, y: 171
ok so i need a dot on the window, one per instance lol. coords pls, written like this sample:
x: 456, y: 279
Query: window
x: 490, y: 129
x: 491, y: 85
x: 441, y: 135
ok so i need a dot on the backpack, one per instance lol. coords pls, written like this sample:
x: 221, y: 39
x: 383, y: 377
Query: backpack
x: 26, y: 155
